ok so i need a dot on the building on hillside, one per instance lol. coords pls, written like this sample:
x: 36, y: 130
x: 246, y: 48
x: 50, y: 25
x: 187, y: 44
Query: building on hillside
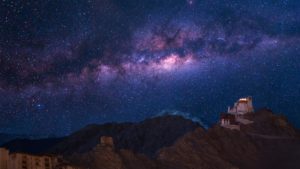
x: 229, y: 121
x: 242, y: 107
x: 18, y: 160
x: 28, y: 161
x: 107, y: 141
x: 235, y: 116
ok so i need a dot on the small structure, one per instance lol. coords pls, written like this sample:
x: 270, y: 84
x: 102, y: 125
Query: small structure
x: 229, y: 121
x: 242, y: 106
x: 107, y: 141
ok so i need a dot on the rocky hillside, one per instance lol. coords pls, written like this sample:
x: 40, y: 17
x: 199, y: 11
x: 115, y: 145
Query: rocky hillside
x: 172, y: 142
x: 145, y: 137
x: 269, y: 143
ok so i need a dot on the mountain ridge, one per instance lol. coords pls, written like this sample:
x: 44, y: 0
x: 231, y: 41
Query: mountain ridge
x: 126, y: 135
x: 172, y: 142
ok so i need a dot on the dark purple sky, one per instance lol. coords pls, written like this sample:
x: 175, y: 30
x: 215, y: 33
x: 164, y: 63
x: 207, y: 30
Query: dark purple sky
x: 67, y: 64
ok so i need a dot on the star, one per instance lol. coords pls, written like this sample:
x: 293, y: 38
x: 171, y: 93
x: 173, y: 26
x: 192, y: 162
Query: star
x: 66, y: 65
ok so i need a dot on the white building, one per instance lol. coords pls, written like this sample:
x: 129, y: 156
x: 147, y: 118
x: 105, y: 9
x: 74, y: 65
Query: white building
x: 242, y: 106
x: 229, y: 121
x: 235, y: 115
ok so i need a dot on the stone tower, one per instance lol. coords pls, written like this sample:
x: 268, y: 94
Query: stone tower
x: 106, y: 141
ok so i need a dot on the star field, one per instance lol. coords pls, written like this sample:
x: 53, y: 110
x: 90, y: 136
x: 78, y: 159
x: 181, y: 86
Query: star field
x: 64, y: 65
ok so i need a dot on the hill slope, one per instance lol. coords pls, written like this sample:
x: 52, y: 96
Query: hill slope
x: 145, y: 137
x: 269, y: 143
x: 172, y: 142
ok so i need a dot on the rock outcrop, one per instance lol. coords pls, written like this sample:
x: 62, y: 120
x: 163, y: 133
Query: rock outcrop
x: 145, y: 137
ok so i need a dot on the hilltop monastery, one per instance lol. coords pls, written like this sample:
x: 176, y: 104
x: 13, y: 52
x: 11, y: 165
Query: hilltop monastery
x: 236, y: 115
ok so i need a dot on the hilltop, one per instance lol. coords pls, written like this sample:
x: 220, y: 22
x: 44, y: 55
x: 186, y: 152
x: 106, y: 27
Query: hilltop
x: 172, y: 142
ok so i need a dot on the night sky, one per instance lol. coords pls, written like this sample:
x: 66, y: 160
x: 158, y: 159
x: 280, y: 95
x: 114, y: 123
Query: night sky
x: 68, y: 63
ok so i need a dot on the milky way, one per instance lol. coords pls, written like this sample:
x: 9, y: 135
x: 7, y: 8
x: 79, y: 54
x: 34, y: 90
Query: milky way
x: 66, y: 65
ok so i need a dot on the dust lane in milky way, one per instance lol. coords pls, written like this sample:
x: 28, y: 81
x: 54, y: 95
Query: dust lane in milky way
x: 65, y: 65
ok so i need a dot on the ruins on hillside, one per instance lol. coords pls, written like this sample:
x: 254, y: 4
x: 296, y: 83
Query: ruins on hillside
x: 106, y: 142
